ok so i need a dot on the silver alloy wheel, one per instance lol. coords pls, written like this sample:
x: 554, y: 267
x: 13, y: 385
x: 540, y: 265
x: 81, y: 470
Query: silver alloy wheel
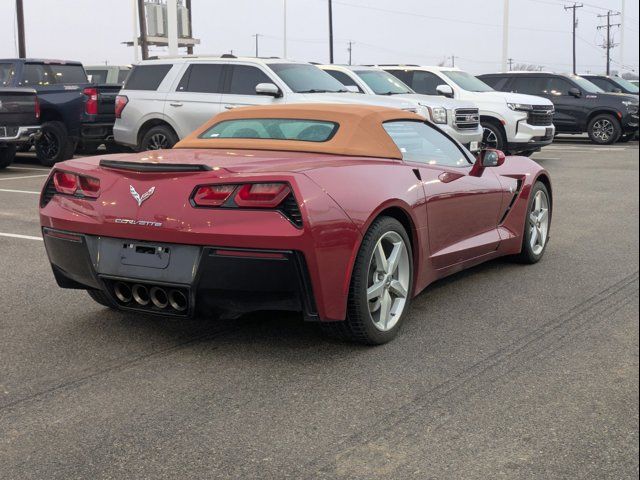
x: 158, y: 141
x: 489, y: 138
x: 388, y: 281
x: 539, y: 222
x: 603, y: 129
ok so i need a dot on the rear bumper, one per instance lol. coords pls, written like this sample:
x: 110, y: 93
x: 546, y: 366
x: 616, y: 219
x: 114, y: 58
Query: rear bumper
x: 20, y: 134
x: 218, y: 280
x: 95, y: 132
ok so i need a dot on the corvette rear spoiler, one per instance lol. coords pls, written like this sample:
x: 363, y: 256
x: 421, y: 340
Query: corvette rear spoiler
x: 153, y: 167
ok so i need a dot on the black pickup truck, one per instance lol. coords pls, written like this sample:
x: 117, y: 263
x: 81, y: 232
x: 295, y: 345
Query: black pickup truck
x: 75, y: 114
x: 19, y: 121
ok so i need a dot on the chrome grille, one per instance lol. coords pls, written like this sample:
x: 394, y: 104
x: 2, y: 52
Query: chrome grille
x: 467, y: 118
x: 541, y: 116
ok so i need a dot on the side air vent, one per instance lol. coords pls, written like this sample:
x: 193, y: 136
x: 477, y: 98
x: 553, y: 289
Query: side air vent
x: 289, y: 208
x: 49, y: 192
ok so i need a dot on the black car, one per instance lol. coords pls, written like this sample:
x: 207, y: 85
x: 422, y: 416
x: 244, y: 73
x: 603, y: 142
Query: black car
x: 613, y: 84
x: 580, y: 106
x: 73, y: 112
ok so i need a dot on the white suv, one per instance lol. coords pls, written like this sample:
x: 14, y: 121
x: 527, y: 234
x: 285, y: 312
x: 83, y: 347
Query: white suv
x: 166, y: 99
x: 459, y: 119
x: 514, y: 123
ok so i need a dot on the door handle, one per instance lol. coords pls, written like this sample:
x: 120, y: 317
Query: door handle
x: 231, y: 107
x: 176, y: 104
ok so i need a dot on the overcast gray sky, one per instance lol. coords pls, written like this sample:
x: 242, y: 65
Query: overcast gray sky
x: 384, y: 31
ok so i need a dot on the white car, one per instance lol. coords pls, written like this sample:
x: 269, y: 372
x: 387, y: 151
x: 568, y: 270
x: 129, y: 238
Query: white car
x: 459, y: 119
x: 109, y: 74
x: 514, y: 123
x: 166, y: 99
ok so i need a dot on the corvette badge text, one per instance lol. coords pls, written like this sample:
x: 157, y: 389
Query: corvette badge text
x: 141, y: 223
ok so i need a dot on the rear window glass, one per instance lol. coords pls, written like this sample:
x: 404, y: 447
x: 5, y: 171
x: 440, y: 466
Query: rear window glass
x: 146, y: 77
x: 122, y: 75
x: 97, y: 76
x: 273, y: 129
x: 7, y: 71
x: 52, y: 74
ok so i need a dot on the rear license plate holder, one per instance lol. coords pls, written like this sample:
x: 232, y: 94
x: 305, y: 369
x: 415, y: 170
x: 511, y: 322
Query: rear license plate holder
x: 145, y: 255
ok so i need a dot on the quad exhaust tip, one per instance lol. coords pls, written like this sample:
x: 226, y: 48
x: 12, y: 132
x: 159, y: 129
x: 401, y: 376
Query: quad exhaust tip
x: 151, y: 297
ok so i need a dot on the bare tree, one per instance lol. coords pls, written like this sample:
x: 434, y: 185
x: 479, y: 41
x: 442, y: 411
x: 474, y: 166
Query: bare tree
x: 527, y: 67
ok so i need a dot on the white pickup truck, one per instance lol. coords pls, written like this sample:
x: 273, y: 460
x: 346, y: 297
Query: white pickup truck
x: 514, y: 123
x: 166, y: 99
x: 459, y: 119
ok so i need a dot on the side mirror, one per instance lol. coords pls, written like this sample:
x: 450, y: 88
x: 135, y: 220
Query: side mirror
x: 352, y: 89
x: 445, y: 90
x: 575, y: 92
x: 485, y: 159
x: 268, y: 89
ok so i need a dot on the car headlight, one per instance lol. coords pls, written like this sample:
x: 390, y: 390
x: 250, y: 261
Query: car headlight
x: 632, y: 107
x: 520, y: 107
x: 438, y: 115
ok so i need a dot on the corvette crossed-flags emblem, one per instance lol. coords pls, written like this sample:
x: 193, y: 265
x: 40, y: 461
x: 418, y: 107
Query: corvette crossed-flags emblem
x: 138, y: 198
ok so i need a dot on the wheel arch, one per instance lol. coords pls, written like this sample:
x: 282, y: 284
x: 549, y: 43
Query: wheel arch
x: 603, y: 111
x: 546, y: 181
x: 495, y: 121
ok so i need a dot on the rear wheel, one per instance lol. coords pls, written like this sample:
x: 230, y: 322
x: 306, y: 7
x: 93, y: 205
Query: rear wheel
x: 54, y: 145
x: 536, y: 229
x: 158, y: 137
x: 7, y: 154
x: 493, y: 136
x: 604, y: 129
x: 100, y: 297
x: 381, y: 286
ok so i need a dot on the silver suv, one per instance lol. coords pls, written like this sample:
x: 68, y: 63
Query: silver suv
x: 164, y: 100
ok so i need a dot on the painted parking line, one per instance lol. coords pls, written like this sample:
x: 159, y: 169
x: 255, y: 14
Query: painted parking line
x: 6, y: 190
x: 21, y: 237
x: 22, y: 177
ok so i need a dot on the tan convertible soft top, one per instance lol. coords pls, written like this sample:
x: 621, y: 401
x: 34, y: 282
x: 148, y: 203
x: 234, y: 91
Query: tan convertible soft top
x: 360, y: 132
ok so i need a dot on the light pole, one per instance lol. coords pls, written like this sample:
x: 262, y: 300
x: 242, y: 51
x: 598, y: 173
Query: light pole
x: 284, y: 36
x: 330, y: 31
x: 22, y: 49
x: 505, y: 35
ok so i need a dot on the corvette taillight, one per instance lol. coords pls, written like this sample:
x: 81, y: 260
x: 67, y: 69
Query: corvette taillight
x: 262, y: 195
x: 212, y: 195
x: 72, y: 184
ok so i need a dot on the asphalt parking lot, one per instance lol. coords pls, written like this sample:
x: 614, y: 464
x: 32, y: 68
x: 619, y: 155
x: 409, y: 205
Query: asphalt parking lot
x: 503, y: 371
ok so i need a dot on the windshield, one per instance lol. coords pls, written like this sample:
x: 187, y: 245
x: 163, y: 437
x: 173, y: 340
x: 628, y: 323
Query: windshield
x: 383, y: 83
x: 625, y: 84
x: 467, y: 82
x: 7, y: 71
x: 586, y: 85
x: 305, y: 78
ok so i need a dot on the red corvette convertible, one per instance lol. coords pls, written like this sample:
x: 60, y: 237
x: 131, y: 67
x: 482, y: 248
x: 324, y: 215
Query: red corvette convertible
x: 343, y: 213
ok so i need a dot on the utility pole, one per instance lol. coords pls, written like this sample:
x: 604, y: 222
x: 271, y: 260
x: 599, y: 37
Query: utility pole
x: 284, y: 36
x: 510, y: 64
x: 505, y: 35
x: 453, y: 60
x: 190, y: 47
x: 350, y: 49
x: 330, y: 31
x: 144, y: 45
x: 22, y: 49
x: 623, y: 12
x: 575, y: 26
x: 257, y: 37
x: 609, y: 41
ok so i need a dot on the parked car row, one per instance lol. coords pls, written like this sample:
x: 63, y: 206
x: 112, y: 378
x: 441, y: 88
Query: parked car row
x: 158, y: 102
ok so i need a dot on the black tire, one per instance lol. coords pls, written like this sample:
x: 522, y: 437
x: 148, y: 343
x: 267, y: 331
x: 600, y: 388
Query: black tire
x: 54, y: 145
x: 100, y: 297
x: 604, y: 129
x: 160, y: 136
x: 527, y: 255
x: 7, y: 154
x: 117, y: 148
x: 493, y: 136
x: 359, y: 326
